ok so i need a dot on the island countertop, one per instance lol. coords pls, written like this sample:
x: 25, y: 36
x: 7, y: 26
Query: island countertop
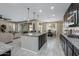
x: 4, y: 47
x: 33, y: 34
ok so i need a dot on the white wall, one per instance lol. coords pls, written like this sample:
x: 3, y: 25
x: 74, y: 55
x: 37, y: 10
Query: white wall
x: 59, y: 28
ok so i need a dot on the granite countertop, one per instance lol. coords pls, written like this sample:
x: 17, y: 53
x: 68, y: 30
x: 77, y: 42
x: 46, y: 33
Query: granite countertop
x: 33, y: 34
x: 74, y: 41
x: 4, y: 47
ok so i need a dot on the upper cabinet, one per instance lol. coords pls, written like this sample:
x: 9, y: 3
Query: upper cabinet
x: 71, y: 15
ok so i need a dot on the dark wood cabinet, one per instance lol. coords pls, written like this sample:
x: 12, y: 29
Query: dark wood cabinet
x: 68, y: 48
x: 63, y: 43
x: 42, y: 40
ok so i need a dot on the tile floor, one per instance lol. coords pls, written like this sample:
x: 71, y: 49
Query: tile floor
x: 51, y: 48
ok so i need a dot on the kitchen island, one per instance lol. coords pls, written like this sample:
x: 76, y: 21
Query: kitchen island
x: 33, y: 41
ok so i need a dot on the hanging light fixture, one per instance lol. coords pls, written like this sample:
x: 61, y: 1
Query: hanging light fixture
x: 34, y: 14
x: 28, y: 13
x: 38, y: 16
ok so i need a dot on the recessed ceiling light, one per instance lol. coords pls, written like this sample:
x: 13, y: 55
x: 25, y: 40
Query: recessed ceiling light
x: 40, y: 11
x: 52, y: 7
x: 53, y: 15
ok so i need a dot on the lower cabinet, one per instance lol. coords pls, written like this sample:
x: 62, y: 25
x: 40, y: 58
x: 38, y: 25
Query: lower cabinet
x: 68, y: 48
x: 76, y: 51
x: 63, y: 43
x: 42, y: 39
x: 69, y: 51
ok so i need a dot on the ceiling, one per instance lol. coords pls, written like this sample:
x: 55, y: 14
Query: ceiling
x: 19, y: 12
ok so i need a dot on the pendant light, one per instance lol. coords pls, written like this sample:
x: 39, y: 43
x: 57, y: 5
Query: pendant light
x: 38, y: 16
x: 28, y: 13
x: 34, y: 15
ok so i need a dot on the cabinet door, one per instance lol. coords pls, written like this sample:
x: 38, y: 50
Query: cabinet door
x: 69, y: 51
x: 65, y: 47
x: 76, y: 51
x: 62, y: 43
